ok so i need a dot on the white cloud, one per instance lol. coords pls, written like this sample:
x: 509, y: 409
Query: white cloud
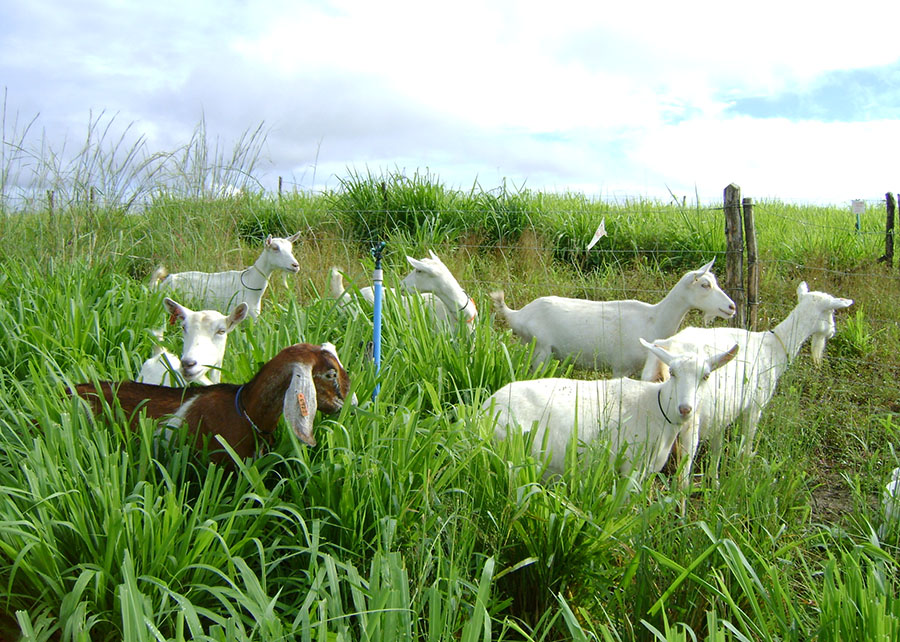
x: 777, y: 158
x: 565, y: 95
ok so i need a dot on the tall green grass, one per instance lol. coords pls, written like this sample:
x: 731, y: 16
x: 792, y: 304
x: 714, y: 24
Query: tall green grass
x: 408, y: 521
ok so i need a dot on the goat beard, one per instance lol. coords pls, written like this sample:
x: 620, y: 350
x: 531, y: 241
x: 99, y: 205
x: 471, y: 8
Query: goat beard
x: 817, y: 348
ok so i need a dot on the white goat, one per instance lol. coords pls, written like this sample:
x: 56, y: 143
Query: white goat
x: 745, y: 387
x: 890, y: 504
x: 605, y: 333
x: 439, y: 289
x: 430, y: 275
x: 205, y: 336
x: 640, y: 417
x: 221, y: 290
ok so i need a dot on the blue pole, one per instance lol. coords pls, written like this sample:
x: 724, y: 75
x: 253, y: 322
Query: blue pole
x: 377, y: 277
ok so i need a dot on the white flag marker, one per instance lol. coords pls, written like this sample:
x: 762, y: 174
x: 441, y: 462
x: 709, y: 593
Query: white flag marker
x: 599, y: 234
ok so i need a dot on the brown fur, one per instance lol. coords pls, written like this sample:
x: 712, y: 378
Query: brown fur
x: 213, y: 410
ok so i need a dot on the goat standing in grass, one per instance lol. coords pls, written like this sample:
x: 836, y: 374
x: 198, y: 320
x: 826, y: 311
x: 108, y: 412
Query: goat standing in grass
x: 641, y: 418
x: 205, y: 335
x: 296, y: 382
x: 743, y: 389
x: 440, y: 291
x: 606, y: 333
x: 222, y: 290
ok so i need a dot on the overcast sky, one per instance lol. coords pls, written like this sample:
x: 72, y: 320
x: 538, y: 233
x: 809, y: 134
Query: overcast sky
x: 791, y: 100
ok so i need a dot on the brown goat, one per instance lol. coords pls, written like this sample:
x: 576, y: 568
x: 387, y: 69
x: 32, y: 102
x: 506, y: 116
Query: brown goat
x: 299, y: 380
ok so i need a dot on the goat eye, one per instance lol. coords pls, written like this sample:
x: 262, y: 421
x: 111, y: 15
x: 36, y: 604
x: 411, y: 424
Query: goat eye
x: 705, y: 285
x: 706, y: 377
x: 220, y: 331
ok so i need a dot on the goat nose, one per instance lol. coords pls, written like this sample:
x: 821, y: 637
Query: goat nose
x: 187, y: 364
x: 685, y: 409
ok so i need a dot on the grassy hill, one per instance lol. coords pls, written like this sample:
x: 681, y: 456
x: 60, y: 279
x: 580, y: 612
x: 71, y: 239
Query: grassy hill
x: 408, y: 521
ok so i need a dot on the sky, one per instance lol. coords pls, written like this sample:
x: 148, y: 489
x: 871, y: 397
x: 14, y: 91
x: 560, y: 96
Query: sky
x: 789, y: 100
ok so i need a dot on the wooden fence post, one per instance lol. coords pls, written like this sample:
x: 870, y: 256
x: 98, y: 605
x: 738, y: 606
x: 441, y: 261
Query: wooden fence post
x: 734, y: 253
x: 889, y: 230
x: 752, y: 266
x: 279, y: 188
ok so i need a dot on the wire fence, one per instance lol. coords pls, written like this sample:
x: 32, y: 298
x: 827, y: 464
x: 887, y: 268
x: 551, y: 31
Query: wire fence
x: 846, y: 252
x: 649, y: 244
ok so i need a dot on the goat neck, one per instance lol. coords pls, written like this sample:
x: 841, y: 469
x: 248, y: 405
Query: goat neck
x: 256, y: 277
x: 793, y: 331
x: 667, y: 315
x: 456, y: 300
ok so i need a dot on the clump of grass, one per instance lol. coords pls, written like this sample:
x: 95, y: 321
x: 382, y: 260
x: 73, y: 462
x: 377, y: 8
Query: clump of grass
x: 266, y: 218
x: 856, y: 338
x: 500, y: 216
x: 376, y: 206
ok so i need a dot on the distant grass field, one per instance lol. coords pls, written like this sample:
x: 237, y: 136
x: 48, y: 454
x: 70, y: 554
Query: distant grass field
x: 408, y: 522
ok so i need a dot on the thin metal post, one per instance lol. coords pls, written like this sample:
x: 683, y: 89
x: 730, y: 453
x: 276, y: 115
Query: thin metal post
x: 378, y: 279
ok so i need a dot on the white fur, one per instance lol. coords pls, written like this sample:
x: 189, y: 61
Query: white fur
x: 431, y: 275
x: 745, y: 386
x: 640, y: 418
x: 890, y: 503
x: 606, y: 333
x: 205, y: 337
x: 433, y: 281
x: 221, y: 290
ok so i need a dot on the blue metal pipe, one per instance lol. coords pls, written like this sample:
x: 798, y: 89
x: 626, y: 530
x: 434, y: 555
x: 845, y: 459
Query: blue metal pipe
x: 378, y: 278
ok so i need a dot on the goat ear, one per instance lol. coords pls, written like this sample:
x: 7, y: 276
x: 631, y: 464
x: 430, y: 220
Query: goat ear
x: 268, y: 240
x: 237, y: 315
x: 415, y: 263
x: 721, y: 359
x: 433, y: 255
x: 175, y: 309
x: 802, y: 289
x: 293, y: 237
x: 840, y: 304
x: 300, y: 403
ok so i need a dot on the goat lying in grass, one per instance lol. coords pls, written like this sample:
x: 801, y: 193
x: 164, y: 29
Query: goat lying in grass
x: 641, y: 418
x: 606, y: 333
x: 203, y: 350
x: 745, y: 387
x: 299, y: 380
x: 222, y: 290
x: 440, y: 291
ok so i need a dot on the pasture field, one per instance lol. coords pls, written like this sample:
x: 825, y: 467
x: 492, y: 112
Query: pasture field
x: 407, y: 521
